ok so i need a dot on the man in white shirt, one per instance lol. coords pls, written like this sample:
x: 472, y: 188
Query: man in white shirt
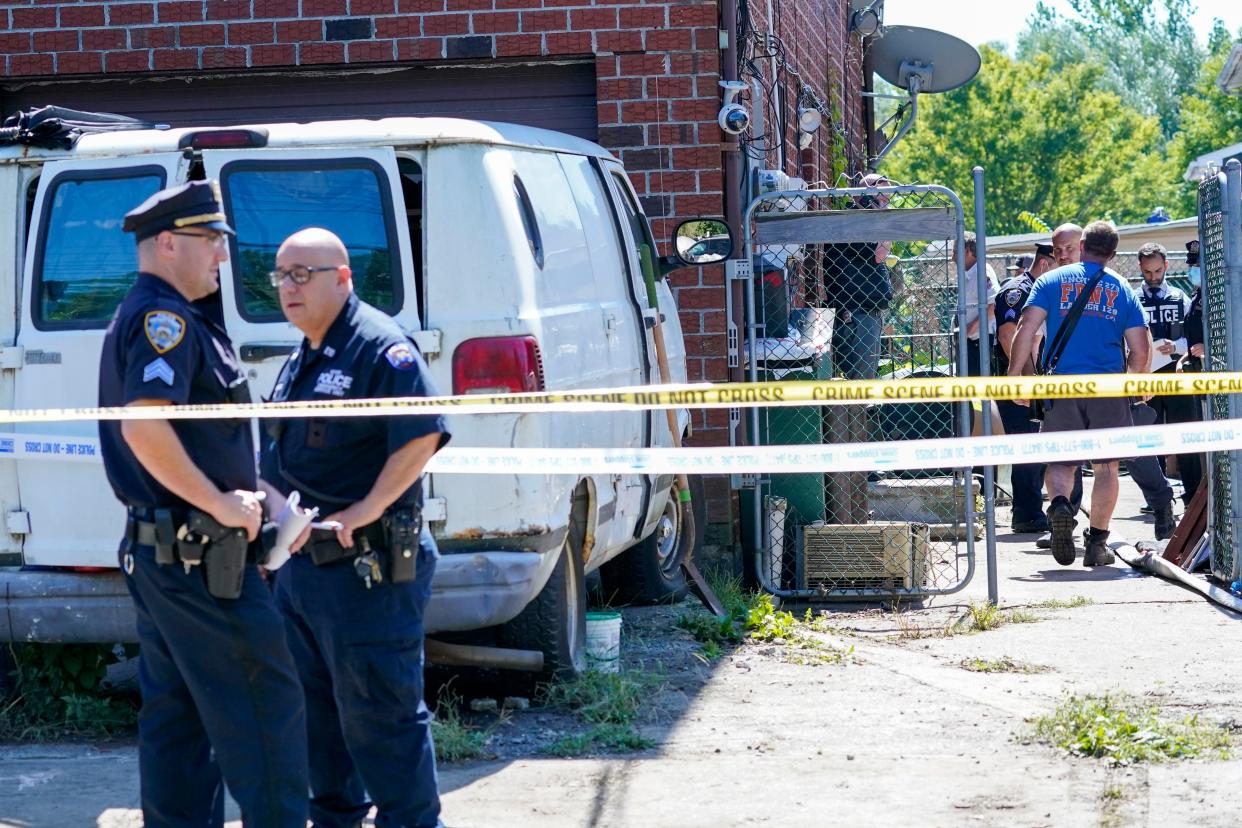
x: 973, y: 315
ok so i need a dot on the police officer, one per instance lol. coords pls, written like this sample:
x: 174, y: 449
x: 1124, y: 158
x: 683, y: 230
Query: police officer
x: 220, y: 694
x: 1166, y: 308
x: 353, y: 598
x: 1027, y: 478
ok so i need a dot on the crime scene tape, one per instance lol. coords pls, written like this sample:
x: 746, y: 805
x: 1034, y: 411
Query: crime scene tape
x: 702, y: 395
x: 956, y: 452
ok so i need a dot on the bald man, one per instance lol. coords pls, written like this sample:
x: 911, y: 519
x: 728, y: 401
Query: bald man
x: 353, y: 595
x: 1067, y: 244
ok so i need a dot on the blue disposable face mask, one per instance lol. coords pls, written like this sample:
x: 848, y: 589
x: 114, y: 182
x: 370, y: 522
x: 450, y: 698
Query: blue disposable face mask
x: 1194, y: 276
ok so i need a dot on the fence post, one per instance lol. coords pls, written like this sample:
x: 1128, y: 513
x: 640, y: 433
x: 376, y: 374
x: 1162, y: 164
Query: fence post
x: 985, y: 368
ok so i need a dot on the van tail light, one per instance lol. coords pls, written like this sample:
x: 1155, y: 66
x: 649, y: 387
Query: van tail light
x: 498, y: 365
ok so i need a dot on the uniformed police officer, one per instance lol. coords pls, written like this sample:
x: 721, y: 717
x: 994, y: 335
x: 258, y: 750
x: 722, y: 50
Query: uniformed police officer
x: 1027, y: 478
x: 353, y: 598
x: 1166, y: 308
x: 220, y: 694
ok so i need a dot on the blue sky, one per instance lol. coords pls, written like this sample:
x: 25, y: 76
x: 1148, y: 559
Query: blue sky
x: 983, y: 21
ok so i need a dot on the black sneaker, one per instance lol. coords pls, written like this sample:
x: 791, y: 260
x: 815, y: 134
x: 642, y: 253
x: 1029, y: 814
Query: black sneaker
x: 1097, y: 554
x: 1165, y: 524
x: 1061, y: 518
x: 1031, y: 527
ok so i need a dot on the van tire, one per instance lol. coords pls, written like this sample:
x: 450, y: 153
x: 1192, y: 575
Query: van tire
x: 650, y: 572
x: 555, y: 621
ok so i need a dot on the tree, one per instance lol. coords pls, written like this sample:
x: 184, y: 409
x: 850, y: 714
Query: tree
x: 1052, y: 142
x: 1150, y: 59
x: 1211, y: 120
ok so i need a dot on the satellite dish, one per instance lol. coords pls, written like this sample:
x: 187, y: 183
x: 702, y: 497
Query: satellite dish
x: 918, y: 60
x: 940, y: 61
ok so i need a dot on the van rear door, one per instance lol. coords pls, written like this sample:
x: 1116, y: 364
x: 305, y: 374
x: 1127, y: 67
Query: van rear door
x: 270, y: 194
x: 79, y: 265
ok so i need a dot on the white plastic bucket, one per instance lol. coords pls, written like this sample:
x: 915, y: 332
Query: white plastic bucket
x: 603, y: 641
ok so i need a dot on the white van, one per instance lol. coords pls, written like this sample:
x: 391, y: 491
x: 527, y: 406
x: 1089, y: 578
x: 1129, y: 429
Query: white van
x: 510, y: 254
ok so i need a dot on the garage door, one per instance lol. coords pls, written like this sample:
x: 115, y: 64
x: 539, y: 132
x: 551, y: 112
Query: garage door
x: 560, y: 96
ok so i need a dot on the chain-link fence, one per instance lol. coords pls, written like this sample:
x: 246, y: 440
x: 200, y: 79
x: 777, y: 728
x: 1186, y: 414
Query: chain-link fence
x: 860, y: 284
x: 1220, y: 245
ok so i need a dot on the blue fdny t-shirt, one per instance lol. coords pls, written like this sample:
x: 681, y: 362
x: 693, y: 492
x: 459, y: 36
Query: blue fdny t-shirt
x: 1097, y: 345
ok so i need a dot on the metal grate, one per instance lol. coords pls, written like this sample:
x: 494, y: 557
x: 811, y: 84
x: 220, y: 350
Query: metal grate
x: 854, y: 286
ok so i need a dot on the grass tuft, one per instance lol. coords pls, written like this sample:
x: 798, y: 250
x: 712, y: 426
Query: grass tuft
x: 1004, y: 664
x: 455, y: 739
x: 1058, y: 603
x: 58, y: 694
x: 602, y: 698
x: 1125, y: 730
x: 603, y: 738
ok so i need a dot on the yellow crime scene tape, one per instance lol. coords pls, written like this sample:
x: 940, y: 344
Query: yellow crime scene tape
x: 722, y: 395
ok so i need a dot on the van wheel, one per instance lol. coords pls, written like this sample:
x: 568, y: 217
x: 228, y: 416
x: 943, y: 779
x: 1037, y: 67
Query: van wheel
x: 650, y: 571
x: 555, y: 622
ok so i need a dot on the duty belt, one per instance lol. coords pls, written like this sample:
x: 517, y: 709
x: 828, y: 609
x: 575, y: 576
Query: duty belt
x: 325, y: 548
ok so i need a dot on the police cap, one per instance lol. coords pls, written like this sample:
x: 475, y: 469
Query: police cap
x: 1043, y: 249
x: 193, y: 204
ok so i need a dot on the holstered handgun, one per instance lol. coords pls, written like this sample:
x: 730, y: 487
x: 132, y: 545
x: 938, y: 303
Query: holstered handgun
x: 224, y: 554
x: 403, y: 527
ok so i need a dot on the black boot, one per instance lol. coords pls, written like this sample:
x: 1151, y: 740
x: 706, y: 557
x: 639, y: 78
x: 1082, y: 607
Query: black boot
x: 1165, y: 524
x: 1061, y: 517
x: 1098, y: 553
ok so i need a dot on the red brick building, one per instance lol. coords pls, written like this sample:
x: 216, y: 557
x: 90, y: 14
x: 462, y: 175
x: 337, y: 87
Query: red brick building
x: 641, y: 78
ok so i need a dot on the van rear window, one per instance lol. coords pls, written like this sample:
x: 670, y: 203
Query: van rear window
x: 85, y: 263
x: 267, y: 201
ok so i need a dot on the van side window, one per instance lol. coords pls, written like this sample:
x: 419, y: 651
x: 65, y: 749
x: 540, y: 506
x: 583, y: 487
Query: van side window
x: 268, y: 201
x: 639, y: 228
x: 84, y: 264
x: 528, y: 220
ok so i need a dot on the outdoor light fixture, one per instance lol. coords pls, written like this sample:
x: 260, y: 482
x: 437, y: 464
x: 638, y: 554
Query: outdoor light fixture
x: 867, y: 18
x: 810, y: 119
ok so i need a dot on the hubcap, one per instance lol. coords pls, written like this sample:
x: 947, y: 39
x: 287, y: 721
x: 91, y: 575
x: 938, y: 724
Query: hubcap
x: 668, y: 531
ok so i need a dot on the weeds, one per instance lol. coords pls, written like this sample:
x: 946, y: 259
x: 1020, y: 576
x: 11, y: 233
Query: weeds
x: 1114, y: 793
x: 1125, y: 730
x: 767, y: 623
x: 57, y: 694
x: 1018, y: 616
x: 1004, y: 664
x: 602, y: 698
x: 455, y: 739
x: 603, y: 738
x: 982, y: 617
x: 1057, y: 603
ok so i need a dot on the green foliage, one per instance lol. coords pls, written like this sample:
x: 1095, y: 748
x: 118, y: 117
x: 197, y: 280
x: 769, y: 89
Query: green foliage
x: 1211, y: 120
x: 1004, y: 664
x: 1060, y: 603
x: 603, y: 738
x: 57, y: 694
x: 1053, y: 142
x: 766, y: 623
x: 455, y: 739
x: 1124, y: 730
x: 602, y: 698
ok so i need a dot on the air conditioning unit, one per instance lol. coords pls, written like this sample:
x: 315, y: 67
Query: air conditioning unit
x: 881, y: 555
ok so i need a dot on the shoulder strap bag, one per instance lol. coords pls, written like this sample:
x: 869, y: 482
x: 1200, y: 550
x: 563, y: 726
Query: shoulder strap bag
x: 1059, y: 342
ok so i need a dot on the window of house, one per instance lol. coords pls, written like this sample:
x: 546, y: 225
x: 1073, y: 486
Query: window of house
x: 85, y: 263
x: 267, y: 201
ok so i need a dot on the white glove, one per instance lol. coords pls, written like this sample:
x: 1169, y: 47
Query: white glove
x: 291, y: 521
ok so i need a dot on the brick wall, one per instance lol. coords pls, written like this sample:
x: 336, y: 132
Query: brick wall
x: 657, y: 69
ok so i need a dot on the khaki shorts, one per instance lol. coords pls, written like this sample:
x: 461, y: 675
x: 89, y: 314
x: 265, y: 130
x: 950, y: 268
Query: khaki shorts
x: 1082, y: 413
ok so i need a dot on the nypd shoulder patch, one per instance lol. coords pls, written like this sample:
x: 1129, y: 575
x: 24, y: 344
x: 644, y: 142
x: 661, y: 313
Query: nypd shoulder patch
x: 401, y: 356
x: 1012, y: 297
x: 164, y: 330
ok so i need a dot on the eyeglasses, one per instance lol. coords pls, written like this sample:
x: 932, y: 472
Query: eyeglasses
x: 298, y: 274
x: 216, y: 239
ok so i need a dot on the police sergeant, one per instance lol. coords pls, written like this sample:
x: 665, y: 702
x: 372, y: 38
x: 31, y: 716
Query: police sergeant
x: 353, y: 597
x: 221, y: 701
x: 1027, y: 478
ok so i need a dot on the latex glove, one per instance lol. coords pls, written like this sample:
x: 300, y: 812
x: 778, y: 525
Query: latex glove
x: 292, y: 522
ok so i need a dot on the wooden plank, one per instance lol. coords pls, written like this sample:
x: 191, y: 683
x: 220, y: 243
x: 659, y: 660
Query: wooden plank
x: 1191, y: 527
x: 833, y: 226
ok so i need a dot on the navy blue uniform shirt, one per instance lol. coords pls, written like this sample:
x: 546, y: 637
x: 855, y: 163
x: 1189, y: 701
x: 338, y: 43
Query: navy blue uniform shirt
x: 1010, y: 300
x: 334, y: 461
x: 160, y: 346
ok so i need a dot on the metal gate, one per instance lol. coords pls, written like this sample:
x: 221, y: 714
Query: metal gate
x: 830, y: 273
x: 1220, y: 261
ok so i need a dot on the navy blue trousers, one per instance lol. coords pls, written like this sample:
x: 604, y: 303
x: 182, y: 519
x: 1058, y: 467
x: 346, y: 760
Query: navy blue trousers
x: 359, y: 653
x: 1027, y: 479
x: 221, y: 703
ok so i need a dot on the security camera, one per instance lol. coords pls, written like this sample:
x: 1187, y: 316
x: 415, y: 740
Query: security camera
x: 733, y: 118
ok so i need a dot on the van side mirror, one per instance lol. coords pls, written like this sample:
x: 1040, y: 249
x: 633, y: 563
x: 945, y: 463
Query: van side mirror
x: 702, y: 242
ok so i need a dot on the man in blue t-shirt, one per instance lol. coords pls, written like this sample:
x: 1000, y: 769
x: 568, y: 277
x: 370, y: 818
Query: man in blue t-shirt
x: 1111, y: 323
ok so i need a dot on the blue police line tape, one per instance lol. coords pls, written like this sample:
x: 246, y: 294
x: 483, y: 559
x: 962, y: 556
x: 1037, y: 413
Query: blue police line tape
x: 703, y: 395
x: 957, y: 452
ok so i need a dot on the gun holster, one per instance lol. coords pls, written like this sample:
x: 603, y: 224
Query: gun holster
x: 222, y: 549
x: 165, y: 536
x: 403, y: 527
